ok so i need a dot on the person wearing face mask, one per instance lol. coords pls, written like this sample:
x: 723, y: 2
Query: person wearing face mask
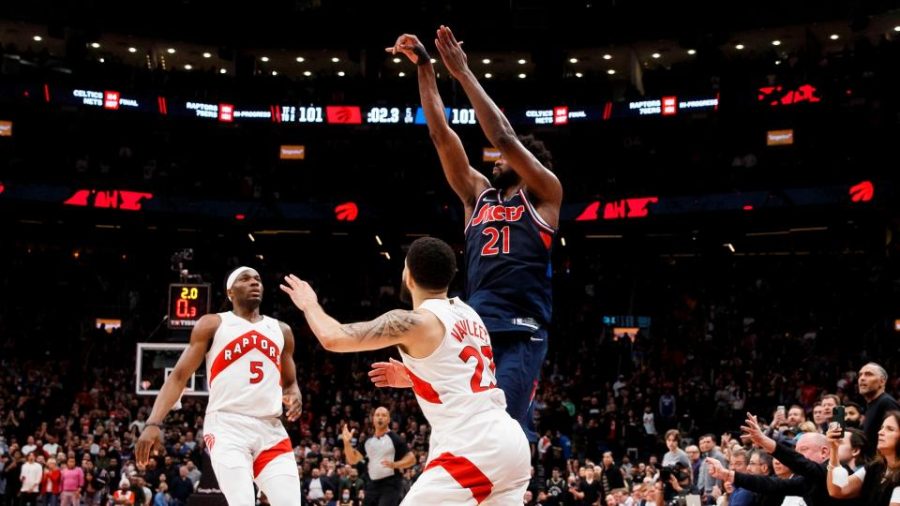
x: 345, y: 498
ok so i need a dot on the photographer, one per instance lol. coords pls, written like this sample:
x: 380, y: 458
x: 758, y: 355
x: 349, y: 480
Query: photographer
x: 676, y: 480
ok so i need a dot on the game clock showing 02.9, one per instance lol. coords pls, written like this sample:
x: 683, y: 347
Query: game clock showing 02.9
x: 187, y: 303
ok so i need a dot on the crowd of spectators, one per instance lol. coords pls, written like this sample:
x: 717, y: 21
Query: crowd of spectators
x: 618, y: 414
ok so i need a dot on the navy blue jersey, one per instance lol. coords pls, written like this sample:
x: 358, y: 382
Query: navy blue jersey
x: 508, y: 263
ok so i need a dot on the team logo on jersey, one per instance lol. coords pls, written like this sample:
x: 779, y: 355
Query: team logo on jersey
x: 241, y: 346
x: 210, y: 441
x: 489, y: 213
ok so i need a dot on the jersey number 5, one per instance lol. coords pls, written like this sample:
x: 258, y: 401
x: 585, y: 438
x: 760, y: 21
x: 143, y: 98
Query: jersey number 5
x: 486, y: 355
x: 256, y: 372
x: 490, y: 248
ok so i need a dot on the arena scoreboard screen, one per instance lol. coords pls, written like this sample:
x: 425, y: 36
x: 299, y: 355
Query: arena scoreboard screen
x: 187, y: 303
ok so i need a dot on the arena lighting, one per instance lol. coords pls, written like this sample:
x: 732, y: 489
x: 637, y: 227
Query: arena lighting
x: 171, y: 50
x: 250, y: 236
x: 522, y: 76
x: 188, y: 66
x: 776, y: 42
x: 341, y: 74
x: 207, y: 55
x: 739, y: 47
x: 562, y: 240
x: 834, y: 36
x: 132, y: 50
x: 611, y: 71
x: 300, y: 59
x: 378, y: 240
x: 95, y: 45
x: 307, y: 73
x: 397, y: 60
x: 522, y: 61
x: 486, y: 61
x: 655, y: 55
x: 223, y: 71
x: 264, y: 59
x: 692, y: 52
x: 38, y: 38
x: 335, y: 60
x: 607, y: 57
x: 348, y: 211
x: 573, y: 60
x: 578, y: 74
x: 402, y: 74
x: 729, y: 246
x: 488, y: 75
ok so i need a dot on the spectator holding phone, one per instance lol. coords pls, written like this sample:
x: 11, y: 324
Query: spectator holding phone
x: 878, y: 484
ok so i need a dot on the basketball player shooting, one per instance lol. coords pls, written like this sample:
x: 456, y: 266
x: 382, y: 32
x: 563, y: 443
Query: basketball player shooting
x: 477, y: 453
x: 510, y: 224
x: 248, y: 358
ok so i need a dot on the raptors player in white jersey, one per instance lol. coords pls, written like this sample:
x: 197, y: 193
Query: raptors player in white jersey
x: 477, y: 453
x: 250, y: 369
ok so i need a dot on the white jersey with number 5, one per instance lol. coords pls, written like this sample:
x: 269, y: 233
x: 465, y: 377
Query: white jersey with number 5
x: 243, y: 367
x: 457, y: 380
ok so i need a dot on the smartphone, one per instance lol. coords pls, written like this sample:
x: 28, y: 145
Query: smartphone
x: 838, y: 414
x: 781, y: 409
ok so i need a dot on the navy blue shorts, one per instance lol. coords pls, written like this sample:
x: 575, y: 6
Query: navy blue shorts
x: 518, y: 357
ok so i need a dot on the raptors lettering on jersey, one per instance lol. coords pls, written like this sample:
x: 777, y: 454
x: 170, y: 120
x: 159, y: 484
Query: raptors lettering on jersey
x: 243, y: 344
x: 244, y: 367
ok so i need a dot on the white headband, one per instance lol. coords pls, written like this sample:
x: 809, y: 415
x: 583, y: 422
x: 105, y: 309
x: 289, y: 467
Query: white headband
x: 234, y: 275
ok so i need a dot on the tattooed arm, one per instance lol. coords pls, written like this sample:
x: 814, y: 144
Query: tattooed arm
x: 410, y: 329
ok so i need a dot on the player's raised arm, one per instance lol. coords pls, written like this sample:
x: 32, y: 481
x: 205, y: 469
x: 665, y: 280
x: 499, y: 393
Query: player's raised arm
x: 467, y: 182
x: 172, y: 389
x: 542, y: 183
x: 397, y: 327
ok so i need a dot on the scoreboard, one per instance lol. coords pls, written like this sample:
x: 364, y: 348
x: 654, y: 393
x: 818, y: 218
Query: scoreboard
x: 187, y: 303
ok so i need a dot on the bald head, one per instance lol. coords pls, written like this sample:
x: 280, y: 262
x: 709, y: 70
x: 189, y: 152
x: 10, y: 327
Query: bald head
x: 381, y: 418
x: 814, y: 446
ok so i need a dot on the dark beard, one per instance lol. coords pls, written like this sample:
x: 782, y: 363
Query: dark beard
x: 505, y: 180
x: 405, y: 294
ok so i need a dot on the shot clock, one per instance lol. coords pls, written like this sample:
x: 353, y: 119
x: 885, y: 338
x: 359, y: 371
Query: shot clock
x: 187, y: 303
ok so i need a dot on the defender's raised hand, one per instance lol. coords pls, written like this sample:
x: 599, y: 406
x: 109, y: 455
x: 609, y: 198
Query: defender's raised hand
x: 301, y: 294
